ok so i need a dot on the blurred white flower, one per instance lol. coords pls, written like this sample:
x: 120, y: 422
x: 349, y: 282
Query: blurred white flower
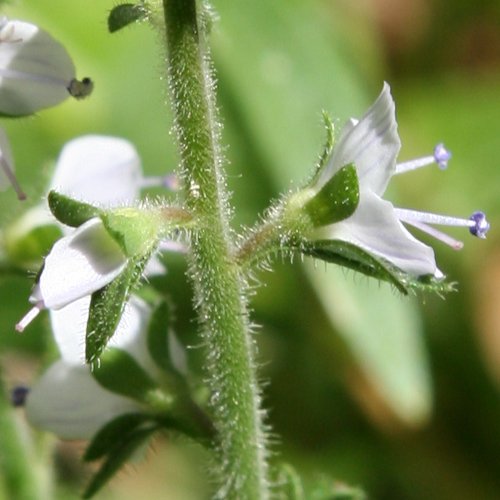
x: 36, y: 71
x: 67, y: 400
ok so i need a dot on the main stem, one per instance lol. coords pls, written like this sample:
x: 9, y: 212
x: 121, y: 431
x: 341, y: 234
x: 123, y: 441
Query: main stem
x: 219, y: 286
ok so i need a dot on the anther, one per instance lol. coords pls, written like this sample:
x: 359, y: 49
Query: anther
x: 480, y: 225
x: 29, y: 316
x: 440, y: 156
x: 18, y: 395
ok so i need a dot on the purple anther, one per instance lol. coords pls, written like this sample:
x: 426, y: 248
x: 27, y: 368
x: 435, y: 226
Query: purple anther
x: 441, y: 156
x: 18, y: 395
x: 481, y: 226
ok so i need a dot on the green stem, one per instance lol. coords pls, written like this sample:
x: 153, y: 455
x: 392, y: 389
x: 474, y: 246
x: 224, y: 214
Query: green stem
x: 18, y: 466
x: 219, y: 284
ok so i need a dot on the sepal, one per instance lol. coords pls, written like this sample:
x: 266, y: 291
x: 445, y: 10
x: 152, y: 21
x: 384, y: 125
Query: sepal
x: 163, y: 346
x: 125, y: 14
x: 353, y: 257
x: 120, y: 373
x: 116, y: 442
x: 336, y: 200
x: 106, y: 308
x: 69, y: 211
x: 327, y: 147
x: 136, y: 230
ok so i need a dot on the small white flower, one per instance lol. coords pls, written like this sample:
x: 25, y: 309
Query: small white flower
x: 67, y: 400
x: 100, y: 170
x: 36, y: 71
x: 78, y: 265
x: 372, y: 144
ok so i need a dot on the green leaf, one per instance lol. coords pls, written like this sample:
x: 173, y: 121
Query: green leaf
x: 113, y: 433
x: 337, y: 199
x: 120, y: 373
x: 106, y: 308
x: 116, y: 458
x: 125, y: 14
x: 157, y: 340
x: 69, y: 211
x: 384, y: 335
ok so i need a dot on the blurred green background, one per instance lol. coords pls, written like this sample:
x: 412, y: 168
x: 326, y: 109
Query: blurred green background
x: 397, y: 395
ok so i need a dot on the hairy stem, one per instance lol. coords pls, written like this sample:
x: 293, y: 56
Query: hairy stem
x: 241, y: 469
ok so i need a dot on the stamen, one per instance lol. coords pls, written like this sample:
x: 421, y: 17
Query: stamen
x: 80, y: 89
x: 173, y: 246
x: 441, y: 156
x: 11, y: 177
x: 439, y: 235
x: 169, y: 181
x: 481, y: 225
x: 18, y: 395
x: 29, y: 316
x: 411, y: 216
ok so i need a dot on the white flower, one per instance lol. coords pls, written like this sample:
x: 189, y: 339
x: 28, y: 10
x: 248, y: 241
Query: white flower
x: 67, y: 400
x: 372, y: 144
x: 36, y: 71
x: 78, y: 265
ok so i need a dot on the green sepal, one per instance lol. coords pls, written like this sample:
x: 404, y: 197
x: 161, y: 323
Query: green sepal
x: 328, y: 146
x: 28, y: 249
x: 353, y: 257
x: 157, y: 338
x: 69, y: 211
x: 125, y: 14
x: 336, y: 200
x: 120, y: 428
x: 118, y: 454
x: 333, y: 489
x: 135, y: 230
x: 120, y: 373
x: 289, y: 483
x: 106, y: 308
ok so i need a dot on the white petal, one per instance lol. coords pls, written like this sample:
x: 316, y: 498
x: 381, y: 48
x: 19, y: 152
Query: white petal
x: 372, y: 144
x: 70, y: 403
x: 79, y: 265
x: 35, y: 69
x: 69, y: 326
x: 375, y: 228
x: 99, y: 170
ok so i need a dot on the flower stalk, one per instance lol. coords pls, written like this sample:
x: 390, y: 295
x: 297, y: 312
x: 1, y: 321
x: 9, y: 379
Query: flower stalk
x: 21, y: 478
x: 219, y: 284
